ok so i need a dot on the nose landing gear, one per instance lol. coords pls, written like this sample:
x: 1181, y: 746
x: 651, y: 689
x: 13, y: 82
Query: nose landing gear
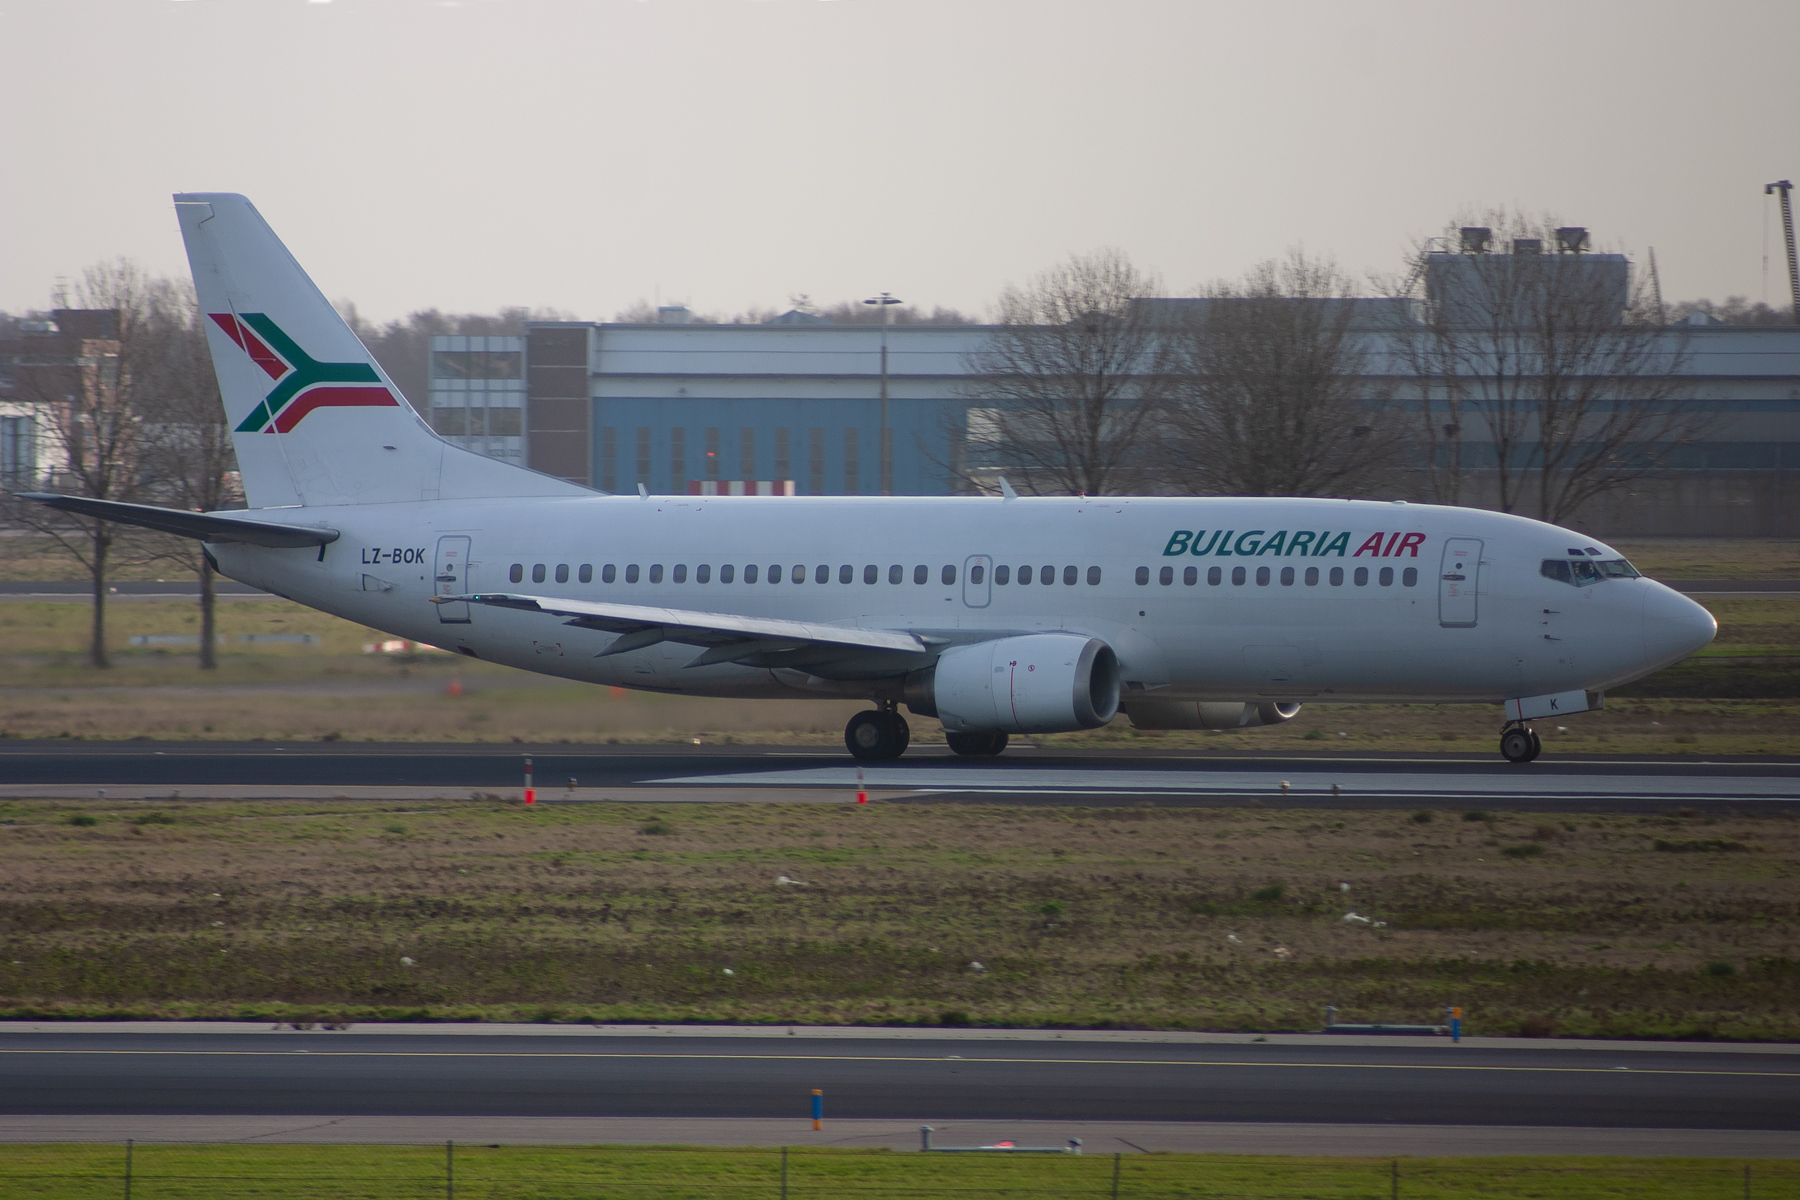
x: 1520, y: 744
x: 878, y: 735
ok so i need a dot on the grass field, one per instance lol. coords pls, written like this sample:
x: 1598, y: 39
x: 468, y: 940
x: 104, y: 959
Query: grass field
x: 75, y: 1172
x: 1165, y: 918
x: 1741, y: 697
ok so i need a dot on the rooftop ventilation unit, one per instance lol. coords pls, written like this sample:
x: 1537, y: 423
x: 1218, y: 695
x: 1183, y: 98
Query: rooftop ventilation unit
x: 1476, y: 239
x: 1528, y: 245
x: 1571, y: 239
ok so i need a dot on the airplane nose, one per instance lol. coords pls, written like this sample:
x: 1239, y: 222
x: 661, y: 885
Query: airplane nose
x: 1674, y: 626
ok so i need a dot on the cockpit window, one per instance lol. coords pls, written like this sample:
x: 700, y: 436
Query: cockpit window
x: 1586, y: 571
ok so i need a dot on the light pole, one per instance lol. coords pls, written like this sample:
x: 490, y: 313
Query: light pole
x: 885, y: 300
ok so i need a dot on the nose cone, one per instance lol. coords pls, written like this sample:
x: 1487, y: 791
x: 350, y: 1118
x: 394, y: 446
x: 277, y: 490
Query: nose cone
x: 1674, y: 626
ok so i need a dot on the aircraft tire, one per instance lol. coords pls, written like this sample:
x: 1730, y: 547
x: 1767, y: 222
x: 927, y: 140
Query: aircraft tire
x: 977, y: 745
x: 1516, y: 746
x: 875, y: 736
x: 1537, y: 745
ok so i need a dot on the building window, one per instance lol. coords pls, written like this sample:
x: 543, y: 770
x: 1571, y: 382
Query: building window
x: 815, y: 467
x: 852, y: 465
x: 450, y: 422
x: 783, y: 468
x: 643, y: 457
x: 609, y: 458
x: 476, y: 364
x: 712, y: 454
x: 18, y: 450
x: 746, y: 454
x: 503, y: 422
x: 678, y: 472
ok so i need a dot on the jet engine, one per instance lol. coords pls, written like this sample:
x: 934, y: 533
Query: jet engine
x: 1033, y: 683
x: 1192, y: 714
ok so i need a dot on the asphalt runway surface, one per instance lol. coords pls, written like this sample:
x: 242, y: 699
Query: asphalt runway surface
x: 928, y: 774
x: 912, y: 1078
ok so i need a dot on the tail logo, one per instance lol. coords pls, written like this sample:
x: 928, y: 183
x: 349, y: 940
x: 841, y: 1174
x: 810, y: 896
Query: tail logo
x: 301, y: 384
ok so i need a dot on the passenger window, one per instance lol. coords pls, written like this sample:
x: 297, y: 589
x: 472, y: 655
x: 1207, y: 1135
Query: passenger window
x: 1409, y: 577
x: 1070, y: 575
x: 1337, y: 577
x: 680, y: 573
x: 1025, y: 575
x: 656, y: 573
x: 517, y: 574
x: 822, y: 574
x: 750, y: 573
x: 608, y: 573
x: 586, y: 574
x: 1262, y: 577
x: 976, y: 574
x: 1002, y: 575
x: 921, y: 574
x: 1362, y: 577
x: 703, y: 573
x: 1046, y: 575
x: 537, y: 573
x: 1312, y: 577
x: 562, y: 572
x: 896, y: 573
x: 1387, y: 577
x: 774, y: 575
x: 846, y: 573
x: 1166, y: 576
x: 1143, y: 575
x: 948, y: 575
x: 631, y: 573
x: 1214, y: 576
x: 1094, y: 576
x: 727, y: 573
x: 871, y: 574
x: 798, y: 574
x: 1287, y: 577
x: 1191, y: 576
x: 1238, y: 575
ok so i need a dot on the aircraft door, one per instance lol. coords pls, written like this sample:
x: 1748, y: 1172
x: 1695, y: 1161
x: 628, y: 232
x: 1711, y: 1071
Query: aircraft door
x: 1459, y: 583
x: 451, y: 578
x: 978, y: 570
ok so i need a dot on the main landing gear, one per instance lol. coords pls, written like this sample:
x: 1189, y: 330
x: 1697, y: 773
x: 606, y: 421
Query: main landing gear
x: 879, y: 734
x: 1520, y: 744
x: 977, y: 745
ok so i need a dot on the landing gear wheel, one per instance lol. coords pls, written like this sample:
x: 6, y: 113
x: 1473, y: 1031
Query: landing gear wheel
x: 1518, y: 746
x: 1537, y: 745
x: 977, y: 745
x: 875, y: 736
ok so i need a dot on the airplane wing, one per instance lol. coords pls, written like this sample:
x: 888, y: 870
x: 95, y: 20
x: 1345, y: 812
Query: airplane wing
x: 207, y: 527
x: 832, y: 651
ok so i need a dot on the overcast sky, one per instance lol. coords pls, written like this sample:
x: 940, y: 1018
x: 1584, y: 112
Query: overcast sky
x: 586, y: 154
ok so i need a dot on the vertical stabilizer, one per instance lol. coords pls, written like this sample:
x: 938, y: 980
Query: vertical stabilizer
x: 315, y: 420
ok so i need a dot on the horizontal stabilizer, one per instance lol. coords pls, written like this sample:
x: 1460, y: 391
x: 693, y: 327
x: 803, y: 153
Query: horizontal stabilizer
x: 207, y: 527
x: 728, y: 637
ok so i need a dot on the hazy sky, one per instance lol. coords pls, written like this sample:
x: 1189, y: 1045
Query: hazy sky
x: 585, y: 154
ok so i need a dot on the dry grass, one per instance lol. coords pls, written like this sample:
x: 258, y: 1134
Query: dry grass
x: 1125, y: 917
x: 1713, y: 558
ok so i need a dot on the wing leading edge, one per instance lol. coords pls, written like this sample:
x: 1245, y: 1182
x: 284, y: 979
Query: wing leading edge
x: 830, y: 651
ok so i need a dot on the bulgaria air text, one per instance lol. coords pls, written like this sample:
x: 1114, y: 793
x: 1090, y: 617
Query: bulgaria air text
x: 1254, y: 543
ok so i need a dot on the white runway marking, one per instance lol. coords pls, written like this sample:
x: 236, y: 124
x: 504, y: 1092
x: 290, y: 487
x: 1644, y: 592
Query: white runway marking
x: 1523, y: 782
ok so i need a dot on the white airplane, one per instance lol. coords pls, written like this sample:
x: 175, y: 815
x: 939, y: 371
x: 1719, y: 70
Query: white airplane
x: 995, y: 615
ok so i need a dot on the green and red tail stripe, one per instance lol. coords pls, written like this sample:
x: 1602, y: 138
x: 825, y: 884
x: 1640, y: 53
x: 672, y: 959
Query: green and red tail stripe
x: 302, y: 384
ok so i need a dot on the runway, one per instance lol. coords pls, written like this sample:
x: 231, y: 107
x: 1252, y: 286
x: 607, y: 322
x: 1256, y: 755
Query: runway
x: 928, y: 774
x: 618, y: 1073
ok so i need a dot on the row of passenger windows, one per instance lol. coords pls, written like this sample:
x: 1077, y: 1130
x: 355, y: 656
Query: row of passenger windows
x: 753, y: 573
x: 1264, y: 576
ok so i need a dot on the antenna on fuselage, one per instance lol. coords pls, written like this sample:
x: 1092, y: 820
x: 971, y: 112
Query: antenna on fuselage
x: 1006, y: 490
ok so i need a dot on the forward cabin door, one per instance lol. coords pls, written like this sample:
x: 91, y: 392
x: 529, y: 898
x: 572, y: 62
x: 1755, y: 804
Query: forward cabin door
x: 1459, y: 583
x: 978, y: 570
x: 451, y: 578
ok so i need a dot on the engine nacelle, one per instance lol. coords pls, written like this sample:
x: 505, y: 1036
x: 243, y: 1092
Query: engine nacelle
x: 1193, y: 714
x: 1034, y: 683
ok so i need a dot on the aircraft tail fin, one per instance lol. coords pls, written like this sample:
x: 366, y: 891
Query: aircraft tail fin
x: 315, y: 419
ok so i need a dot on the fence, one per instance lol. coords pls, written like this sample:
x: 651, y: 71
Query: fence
x: 490, y: 1172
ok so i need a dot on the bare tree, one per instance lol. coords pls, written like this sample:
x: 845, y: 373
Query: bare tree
x: 1068, y: 388
x: 186, y: 457
x: 1560, y: 358
x: 84, y: 389
x: 1270, y: 392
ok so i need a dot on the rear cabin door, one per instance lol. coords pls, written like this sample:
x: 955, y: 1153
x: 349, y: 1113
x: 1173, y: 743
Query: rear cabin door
x: 978, y: 570
x: 451, y: 578
x: 1459, y: 583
